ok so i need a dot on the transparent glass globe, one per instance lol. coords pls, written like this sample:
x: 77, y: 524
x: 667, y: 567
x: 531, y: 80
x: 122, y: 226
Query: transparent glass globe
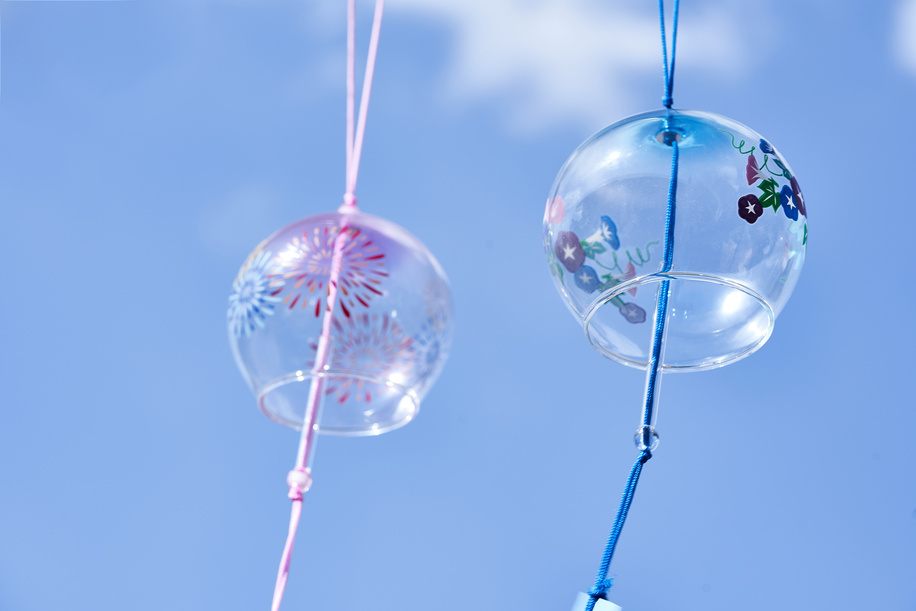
x: 390, y: 333
x: 739, y: 239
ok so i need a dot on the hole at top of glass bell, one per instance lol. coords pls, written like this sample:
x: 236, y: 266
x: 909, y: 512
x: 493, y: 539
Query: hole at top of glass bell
x: 668, y: 135
x: 711, y: 322
x: 353, y: 405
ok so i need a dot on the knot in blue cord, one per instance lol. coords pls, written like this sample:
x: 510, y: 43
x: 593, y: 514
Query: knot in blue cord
x: 654, y: 366
x: 601, y: 589
x: 668, y: 68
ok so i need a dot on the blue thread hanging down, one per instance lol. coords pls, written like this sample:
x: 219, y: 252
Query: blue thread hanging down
x: 602, y: 583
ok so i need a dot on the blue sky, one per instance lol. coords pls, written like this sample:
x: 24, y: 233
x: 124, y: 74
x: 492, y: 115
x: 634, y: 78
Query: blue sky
x: 147, y: 147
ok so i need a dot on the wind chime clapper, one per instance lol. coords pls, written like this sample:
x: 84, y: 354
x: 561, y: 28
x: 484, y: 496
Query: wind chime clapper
x: 601, y: 604
x: 341, y: 322
x: 675, y: 238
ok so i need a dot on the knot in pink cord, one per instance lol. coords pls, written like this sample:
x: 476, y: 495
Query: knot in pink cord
x: 349, y: 200
x: 299, y: 480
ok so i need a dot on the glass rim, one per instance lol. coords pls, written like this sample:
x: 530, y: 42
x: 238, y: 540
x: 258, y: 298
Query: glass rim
x: 375, y: 428
x: 713, y: 363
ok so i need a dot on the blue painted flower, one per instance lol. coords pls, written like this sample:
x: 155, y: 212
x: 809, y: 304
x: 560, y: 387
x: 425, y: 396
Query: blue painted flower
x: 609, y: 232
x: 799, y: 198
x: 587, y: 279
x: 766, y: 147
x: 569, y: 251
x: 787, y: 201
x: 633, y: 313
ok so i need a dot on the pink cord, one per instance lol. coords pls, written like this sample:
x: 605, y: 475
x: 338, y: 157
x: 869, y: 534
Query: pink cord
x: 300, y: 478
x: 355, y: 145
x: 351, y: 84
x: 287, y: 556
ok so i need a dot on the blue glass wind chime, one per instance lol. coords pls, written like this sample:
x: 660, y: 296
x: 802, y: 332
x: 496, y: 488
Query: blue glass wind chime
x: 728, y: 215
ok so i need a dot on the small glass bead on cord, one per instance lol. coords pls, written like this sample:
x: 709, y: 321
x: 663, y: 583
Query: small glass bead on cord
x: 299, y: 481
x: 646, y: 438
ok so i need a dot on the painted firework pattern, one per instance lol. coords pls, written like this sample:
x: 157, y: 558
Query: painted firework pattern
x: 375, y: 346
x: 254, y: 295
x: 432, y: 340
x: 305, y: 265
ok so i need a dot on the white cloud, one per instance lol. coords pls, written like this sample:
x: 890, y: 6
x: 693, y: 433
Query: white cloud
x: 576, y: 59
x: 905, y: 35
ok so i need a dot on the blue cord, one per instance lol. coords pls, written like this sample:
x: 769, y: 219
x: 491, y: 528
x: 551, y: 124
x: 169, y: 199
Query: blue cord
x: 668, y: 71
x: 602, y: 583
x: 654, y: 366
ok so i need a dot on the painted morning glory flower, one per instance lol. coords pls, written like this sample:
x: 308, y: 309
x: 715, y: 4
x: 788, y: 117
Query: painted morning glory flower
x: 799, y: 198
x: 633, y: 313
x: 749, y: 208
x: 766, y: 147
x: 609, y: 232
x: 569, y: 251
x: 753, y: 171
x: 587, y: 279
x: 556, y: 210
x: 629, y: 274
x: 787, y: 201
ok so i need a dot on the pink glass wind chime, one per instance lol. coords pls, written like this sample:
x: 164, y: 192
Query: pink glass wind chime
x: 340, y: 322
x: 675, y: 238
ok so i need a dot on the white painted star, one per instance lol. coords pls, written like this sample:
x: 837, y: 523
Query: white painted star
x: 790, y: 202
x: 569, y: 252
x: 605, y: 231
x: 751, y: 208
x: 586, y: 279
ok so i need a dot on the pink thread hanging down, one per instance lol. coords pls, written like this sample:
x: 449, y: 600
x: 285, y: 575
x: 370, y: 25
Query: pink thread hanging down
x: 300, y: 478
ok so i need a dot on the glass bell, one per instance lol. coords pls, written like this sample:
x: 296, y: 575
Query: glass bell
x: 390, y: 333
x: 740, y: 236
